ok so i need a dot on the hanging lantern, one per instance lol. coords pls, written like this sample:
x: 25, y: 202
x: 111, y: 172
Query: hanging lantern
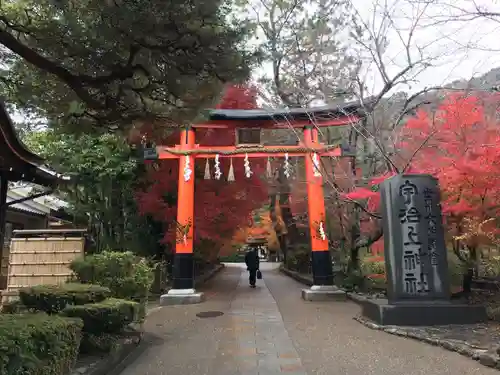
x: 148, y: 149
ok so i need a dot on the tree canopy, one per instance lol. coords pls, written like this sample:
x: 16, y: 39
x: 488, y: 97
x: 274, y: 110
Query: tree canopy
x: 304, y: 42
x: 106, y: 175
x: 110, y: 63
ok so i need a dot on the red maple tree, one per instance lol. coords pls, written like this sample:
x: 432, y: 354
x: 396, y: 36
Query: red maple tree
x: 458, y: 144
x: 221, y: 207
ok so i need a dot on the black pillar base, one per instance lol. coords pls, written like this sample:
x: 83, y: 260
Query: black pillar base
x: 183, y: 271
x: 322, y: 268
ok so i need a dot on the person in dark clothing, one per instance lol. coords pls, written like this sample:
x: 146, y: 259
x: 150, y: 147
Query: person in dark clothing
x: 252, y: 262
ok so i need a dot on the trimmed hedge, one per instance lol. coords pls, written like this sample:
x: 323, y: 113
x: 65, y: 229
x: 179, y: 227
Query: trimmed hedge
x: 99, y: 343
x: 12, y: 307
x: 54, y: 298
x: 38, y: 344
x: 109, y: 316
x: 124, y: 273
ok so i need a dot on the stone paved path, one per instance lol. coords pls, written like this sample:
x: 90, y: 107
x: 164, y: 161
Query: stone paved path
x: 264, y: 345
x: 270, y: 330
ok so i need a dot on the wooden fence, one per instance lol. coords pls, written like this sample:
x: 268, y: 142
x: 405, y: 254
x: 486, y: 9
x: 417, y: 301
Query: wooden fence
x: 42, y: 257
x: 4, y: 268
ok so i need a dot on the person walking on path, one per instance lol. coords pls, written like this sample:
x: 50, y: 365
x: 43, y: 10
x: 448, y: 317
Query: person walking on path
x: 252, y: 262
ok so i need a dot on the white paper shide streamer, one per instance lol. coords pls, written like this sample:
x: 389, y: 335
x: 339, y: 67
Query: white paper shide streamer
x: 217, y: 172
x: 207, y: 170
x: 269, y: 169
x: 230, y: 175
x: 315, y: 160
x: 187, y: 169
x: 321, y: 230
x: 287, y: 167
x: 248, y: 171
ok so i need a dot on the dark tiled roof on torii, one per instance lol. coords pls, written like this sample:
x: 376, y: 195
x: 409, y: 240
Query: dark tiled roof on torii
x: 340, y: 110
x: 18, y: 163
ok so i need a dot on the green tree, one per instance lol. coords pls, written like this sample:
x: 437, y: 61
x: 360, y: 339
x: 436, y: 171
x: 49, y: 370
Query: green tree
x: 113, y: 63
x: 106, y: 175
x: 305, y: 43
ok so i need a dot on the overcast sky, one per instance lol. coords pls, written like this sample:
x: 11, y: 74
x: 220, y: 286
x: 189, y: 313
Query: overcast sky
x: 460, y: 50
x: 464, y: 49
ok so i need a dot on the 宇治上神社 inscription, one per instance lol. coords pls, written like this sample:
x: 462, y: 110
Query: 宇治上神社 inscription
x: 415, y: 252
x: 418, y: 291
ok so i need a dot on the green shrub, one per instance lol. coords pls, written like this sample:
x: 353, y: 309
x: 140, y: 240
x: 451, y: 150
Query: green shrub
x: 299, y: 260
x: 54, y: 298
x: 233, y: 258
x: 456, y: 269
x: 490, y: 267
x: 353, y: 280
x: 109, y: 316
x: 376, y: 284
x: 99, y: 343
x: 38, y: 344
x: 374, y: 265
x: 125, y: 274
x: 12, y: 307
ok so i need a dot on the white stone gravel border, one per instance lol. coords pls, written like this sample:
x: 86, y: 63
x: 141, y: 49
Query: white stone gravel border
x: 483, y: 356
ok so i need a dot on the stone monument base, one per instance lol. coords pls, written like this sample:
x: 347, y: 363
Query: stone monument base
x: 422, y: 313
x: 181, y: 297
x: 324, y: 293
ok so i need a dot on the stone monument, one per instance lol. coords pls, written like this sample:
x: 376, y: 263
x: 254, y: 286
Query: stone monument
x: 418, y: 287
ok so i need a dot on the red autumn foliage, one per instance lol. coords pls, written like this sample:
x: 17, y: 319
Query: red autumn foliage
x: 458, y: 144
x: 239, y: 97
x: 462, y: 151
x: 221, y: 207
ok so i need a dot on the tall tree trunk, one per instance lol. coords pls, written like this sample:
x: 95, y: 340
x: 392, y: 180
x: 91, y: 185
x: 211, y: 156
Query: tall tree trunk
x: 355, y: 215
x: 285, y: 191
x: 273, y: 206
x: 355, y: 235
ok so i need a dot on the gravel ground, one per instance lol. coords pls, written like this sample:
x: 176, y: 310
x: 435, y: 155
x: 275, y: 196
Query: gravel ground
x: 330, y: 342
x: 324, y: 335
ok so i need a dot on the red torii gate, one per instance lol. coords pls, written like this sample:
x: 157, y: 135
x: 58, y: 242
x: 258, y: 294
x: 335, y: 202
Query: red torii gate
x: 187, y: 151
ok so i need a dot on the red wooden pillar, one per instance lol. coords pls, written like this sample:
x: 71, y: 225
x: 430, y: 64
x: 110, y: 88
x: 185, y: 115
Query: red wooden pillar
x: 321, y: 260
x: 183, y: 267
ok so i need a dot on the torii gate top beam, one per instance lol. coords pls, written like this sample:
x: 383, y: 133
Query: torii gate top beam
x: 338, y: 115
